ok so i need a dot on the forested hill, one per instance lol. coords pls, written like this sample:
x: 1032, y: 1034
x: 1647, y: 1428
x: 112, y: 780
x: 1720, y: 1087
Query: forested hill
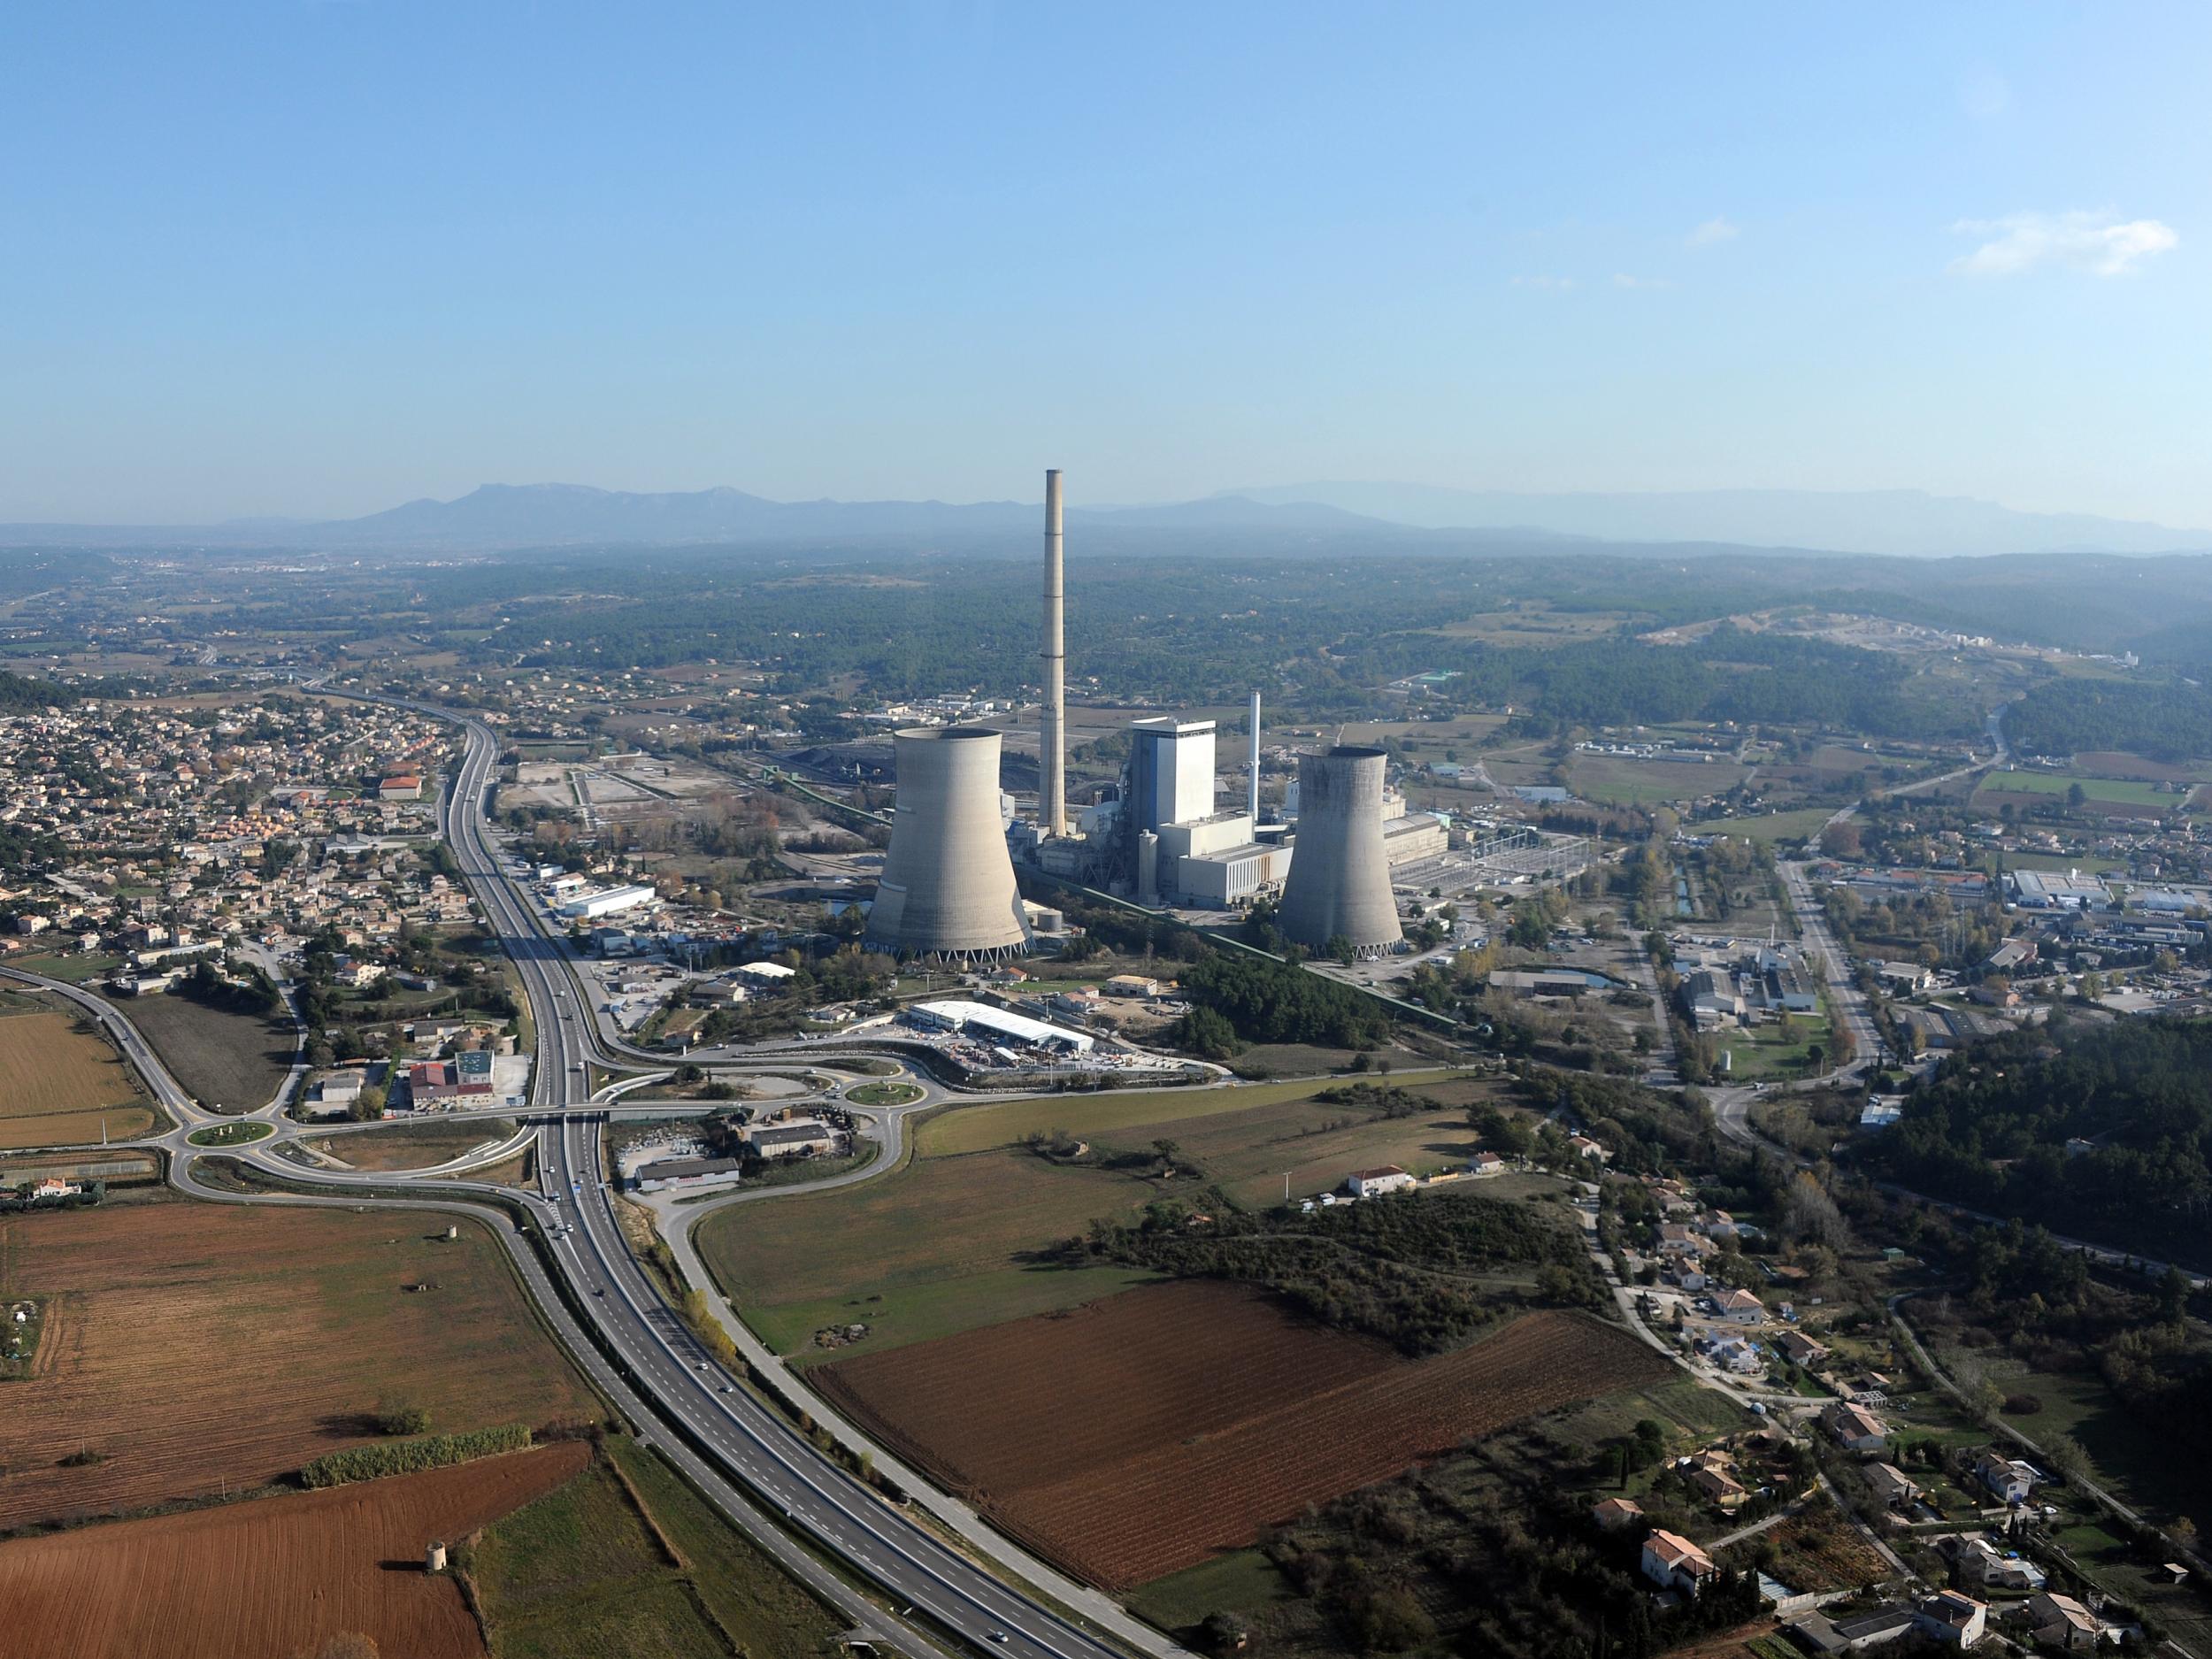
x: 21, y: 694
x: 2166, y: 720
x: 1992, y: 1131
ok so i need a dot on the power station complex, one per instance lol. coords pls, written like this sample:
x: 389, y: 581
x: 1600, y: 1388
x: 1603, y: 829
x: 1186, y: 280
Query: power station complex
x: 948, y: 887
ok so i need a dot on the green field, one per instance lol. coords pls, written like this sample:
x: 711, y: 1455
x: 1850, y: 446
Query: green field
x: 1617, y: 780
x: 1769, y: 827
x: 582, y: 1572
x: 2116, y: 790
x: 1765, y: 1051
x: 974, y: 1128
x: 948, y: 1241
x: 77, y: 969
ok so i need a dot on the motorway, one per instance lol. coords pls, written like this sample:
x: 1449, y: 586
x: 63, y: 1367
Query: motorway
x: 746, y: 1438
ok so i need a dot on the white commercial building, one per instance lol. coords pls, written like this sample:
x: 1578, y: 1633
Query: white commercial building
x: 982, y: 1020
x: 585, y: 906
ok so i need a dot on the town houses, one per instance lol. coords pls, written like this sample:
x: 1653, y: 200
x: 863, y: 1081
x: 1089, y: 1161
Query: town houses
x: 158, y: 835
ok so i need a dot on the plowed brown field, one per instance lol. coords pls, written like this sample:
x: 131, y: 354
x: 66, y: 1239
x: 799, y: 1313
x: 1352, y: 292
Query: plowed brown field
x: 1140, y: 1434
x: 195, y: 1346
x: 59, y: 1085
x: 273, y: 1577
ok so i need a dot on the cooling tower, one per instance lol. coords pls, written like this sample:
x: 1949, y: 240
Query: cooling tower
x: 948, y: 885
x: 1340, y: 877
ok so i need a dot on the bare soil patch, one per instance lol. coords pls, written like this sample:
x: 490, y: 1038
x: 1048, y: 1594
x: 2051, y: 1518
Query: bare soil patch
x: 273, y: 1577
x: 198, y: 1347
x: 1140, y: 1434
x: 60, y: 1084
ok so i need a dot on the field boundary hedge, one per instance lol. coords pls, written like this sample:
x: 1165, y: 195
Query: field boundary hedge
x: 412, y: 1458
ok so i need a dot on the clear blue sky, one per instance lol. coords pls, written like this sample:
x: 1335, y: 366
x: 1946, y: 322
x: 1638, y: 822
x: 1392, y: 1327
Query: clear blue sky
x: 317, y: 258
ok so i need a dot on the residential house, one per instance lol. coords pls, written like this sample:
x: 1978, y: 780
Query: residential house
x: 1955, y: 1618
x: 1374, y: 1183
x: 1800, y: 1350
x: 1740, y: 1307
x: 1854, y: 1428
x: 1718, y: 1486
x: 2060, y: 1621
x: 1982, y: 1562
x: 1486, y: 1164
x: 2008, y: 1480
x: 1673, y: 1562
x: 1677, y: 1240
x: 1614, y: 1514
x: 1891, y: 1485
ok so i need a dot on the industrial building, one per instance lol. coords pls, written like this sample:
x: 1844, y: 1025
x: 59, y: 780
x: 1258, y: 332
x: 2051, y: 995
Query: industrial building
x: 994, y: 1025
x: 1170, y: 772
x: 1339, y: 887
x: 948, y: 885
x: 1186, y: 852
x: 585, y: 906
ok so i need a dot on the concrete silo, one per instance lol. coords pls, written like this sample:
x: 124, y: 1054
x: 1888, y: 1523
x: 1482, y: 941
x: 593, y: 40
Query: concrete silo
x: 948, y: 884
x: 1340, y: 875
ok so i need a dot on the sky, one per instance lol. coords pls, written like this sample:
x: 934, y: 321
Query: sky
x: 315, y: 259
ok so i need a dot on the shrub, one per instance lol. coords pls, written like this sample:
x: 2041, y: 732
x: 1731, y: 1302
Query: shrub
x: 412, y: 1458
x: 2022, y: 1405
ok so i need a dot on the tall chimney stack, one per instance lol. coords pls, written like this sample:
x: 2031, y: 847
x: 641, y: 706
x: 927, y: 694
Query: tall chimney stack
x: 1052, y: 756
x: 1255, y: 761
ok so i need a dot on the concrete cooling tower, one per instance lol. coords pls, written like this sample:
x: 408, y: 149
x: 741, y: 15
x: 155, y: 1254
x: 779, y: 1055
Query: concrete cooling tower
x: 1340, y: 876
x: 948, y: 885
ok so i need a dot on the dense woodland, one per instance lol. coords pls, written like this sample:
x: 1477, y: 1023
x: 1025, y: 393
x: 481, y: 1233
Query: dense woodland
x: 1402, y: 1269
x: 2102, y: 1132
x: 2162, y: 718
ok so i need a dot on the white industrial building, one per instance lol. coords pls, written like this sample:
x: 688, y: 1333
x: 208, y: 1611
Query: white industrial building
x: 981, y: 1020
x: 1187, y: 852
x: 1171, y: 770
x: 585, y: 906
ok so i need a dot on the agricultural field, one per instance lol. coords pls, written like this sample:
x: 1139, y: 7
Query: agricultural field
x: 2117, y: 763
x: 1623, y: 780
x: 148, y: 1306
x: 214, y: 1583
x: 61, y: 1082
x: 1146, y: 1432
x: 948, y: 1242
x: 1768, y: 827
x: 626, y: 1558
x: 412, y: 1146
x: 2107, y: 790
x: 221, y: 1058
x: 975, y: 1128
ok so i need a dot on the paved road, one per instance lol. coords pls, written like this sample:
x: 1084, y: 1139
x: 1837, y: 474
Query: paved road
x: 749, y: 1441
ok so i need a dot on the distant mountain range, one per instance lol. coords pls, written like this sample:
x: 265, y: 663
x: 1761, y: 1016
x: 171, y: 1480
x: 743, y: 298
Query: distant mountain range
x: 496, y: 516
x: 1893, y: 521
x: 1340, y: 518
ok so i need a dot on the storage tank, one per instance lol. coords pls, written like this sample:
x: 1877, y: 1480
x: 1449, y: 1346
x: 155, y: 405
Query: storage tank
x: 1340, y: 877
x: 948, y: 884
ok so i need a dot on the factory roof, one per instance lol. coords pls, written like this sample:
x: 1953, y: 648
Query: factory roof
x: 960, y: 1015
